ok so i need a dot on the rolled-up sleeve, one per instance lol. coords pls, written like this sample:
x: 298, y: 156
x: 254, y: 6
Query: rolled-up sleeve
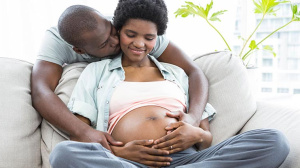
x: 83, y: 99
x: 209, y: 112
x: 84, y: 109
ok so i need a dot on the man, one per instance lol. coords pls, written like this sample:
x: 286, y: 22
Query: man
x: 94, y: 37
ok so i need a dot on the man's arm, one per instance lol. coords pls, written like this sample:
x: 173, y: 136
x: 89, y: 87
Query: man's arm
x: 44, y: 79
x: 198, y: 85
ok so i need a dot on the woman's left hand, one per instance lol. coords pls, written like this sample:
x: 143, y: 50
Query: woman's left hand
x: 180, y: 136
x: 182, y: 116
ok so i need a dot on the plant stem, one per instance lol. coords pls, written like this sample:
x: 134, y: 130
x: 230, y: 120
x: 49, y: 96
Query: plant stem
x: 246, y: 55
x: 251, y: 36
x: 219, y: 34
x: 275, y: 31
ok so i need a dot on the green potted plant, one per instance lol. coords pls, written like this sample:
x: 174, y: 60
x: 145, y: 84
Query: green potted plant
x: 263, y: 7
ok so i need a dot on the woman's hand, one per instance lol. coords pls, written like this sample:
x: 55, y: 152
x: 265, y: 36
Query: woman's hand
x: 182, y: 116
x: 181, y: 135
x: 141, y: 152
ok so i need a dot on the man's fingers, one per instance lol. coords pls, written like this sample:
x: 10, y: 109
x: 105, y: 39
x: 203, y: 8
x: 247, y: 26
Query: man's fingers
x: 112, y: 141
x: 105, y: 144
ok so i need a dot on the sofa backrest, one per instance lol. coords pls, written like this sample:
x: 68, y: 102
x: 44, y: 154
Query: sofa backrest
x: 20, y: 137
x: 229, y: 93
x: 50, y: 134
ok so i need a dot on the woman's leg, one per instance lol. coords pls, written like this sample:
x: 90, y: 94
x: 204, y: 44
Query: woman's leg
x: 71, y: 154
x: 256, y: 148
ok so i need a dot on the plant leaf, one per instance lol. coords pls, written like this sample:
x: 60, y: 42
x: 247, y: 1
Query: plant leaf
x: 208, y: 7
x: 214, y: 16
x: 266, y: 6
x: 294, y: 8
x: 190, y: 9
x: 296, y: 13
x: 269, y: 49
x: 253, y: 45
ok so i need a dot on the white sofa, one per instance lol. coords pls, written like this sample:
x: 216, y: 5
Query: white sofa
x: 26, y: 139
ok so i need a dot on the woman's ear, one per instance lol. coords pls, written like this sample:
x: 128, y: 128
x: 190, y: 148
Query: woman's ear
x: 78, y: 50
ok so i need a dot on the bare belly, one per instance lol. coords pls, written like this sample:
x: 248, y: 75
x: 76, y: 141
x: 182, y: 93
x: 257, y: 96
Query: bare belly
x: 143, y: 123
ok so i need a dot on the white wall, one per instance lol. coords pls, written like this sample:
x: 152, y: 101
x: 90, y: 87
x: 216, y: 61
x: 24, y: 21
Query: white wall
x: 23, y: 23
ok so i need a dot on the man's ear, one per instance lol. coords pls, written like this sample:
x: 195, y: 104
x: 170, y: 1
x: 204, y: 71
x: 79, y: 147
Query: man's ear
x: 78, y: 50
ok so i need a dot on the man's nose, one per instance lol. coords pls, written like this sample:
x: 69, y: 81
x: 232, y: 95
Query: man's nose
x: 114, y: 41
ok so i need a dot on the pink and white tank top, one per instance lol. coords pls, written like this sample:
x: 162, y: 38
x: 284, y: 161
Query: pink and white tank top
x: 131, y: 95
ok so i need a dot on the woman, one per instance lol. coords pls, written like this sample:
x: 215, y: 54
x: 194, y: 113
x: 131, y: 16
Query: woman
x: 116, y: 95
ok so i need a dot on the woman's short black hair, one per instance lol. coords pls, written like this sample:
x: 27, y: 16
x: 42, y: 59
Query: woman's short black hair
x: 150, y: 10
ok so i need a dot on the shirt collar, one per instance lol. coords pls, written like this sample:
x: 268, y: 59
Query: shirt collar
x: 117, y: 63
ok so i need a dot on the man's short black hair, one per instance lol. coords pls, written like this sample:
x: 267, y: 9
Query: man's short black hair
x: 74, y: 21
x: 150, y: 10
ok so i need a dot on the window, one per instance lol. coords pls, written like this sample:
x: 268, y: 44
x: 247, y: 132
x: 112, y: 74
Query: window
x: 293, y: 63
x: 266, y: 89
x: 267, y: 77
x: 296, y: 91
x: 282, y: 90
x: 293, y: 38
x: 267, y: 62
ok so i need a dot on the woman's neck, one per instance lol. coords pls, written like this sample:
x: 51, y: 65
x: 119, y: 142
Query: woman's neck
x: 145, y: 62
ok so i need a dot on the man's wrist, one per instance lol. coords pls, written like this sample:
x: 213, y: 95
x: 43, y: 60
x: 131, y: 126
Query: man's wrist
x: 195, y: 118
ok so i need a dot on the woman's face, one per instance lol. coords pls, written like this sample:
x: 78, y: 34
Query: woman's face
x: 137, y: 39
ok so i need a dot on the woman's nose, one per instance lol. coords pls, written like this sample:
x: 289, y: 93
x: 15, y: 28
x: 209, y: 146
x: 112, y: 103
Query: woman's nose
x: 138, y: 43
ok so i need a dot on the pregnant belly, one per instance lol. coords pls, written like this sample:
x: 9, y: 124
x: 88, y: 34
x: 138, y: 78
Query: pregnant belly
x: 143, y: 123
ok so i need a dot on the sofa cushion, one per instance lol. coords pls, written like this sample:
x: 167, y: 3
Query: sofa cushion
x: 229, y: 93
x: 51, y: 135
x: 283, y: 118
x: 19, y: 122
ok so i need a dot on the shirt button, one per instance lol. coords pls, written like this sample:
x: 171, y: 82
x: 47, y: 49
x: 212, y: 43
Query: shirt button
x: 107, y: 102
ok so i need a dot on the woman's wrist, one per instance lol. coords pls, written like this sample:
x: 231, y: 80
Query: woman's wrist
x: 205, y: 140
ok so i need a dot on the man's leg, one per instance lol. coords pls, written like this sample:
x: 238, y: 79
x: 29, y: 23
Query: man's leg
x: 263, y: 148
x: 71, y: 154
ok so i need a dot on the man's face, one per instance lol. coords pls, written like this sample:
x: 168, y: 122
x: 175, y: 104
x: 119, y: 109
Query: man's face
x: 103, y: 41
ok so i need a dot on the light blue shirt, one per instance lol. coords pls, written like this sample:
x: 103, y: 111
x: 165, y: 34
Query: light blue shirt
x: 54, y: 49
x: 92, y: 93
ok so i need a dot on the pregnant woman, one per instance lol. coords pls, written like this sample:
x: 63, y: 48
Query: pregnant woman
x: 129, y: 95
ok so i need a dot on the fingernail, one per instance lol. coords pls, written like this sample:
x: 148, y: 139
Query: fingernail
x: 150, y: 140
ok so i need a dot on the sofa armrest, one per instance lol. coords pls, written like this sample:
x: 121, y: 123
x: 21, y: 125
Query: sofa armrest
x: 283, y: 118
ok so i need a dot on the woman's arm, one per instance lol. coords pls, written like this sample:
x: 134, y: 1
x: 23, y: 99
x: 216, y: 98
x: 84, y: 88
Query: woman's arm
x: 182, y: 135
x: 206, y: 136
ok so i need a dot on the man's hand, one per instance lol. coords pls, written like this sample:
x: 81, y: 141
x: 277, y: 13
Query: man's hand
x: 96, y: 136
x: 188, y: 118
x: 141, y: 152
x: 180, y: 136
